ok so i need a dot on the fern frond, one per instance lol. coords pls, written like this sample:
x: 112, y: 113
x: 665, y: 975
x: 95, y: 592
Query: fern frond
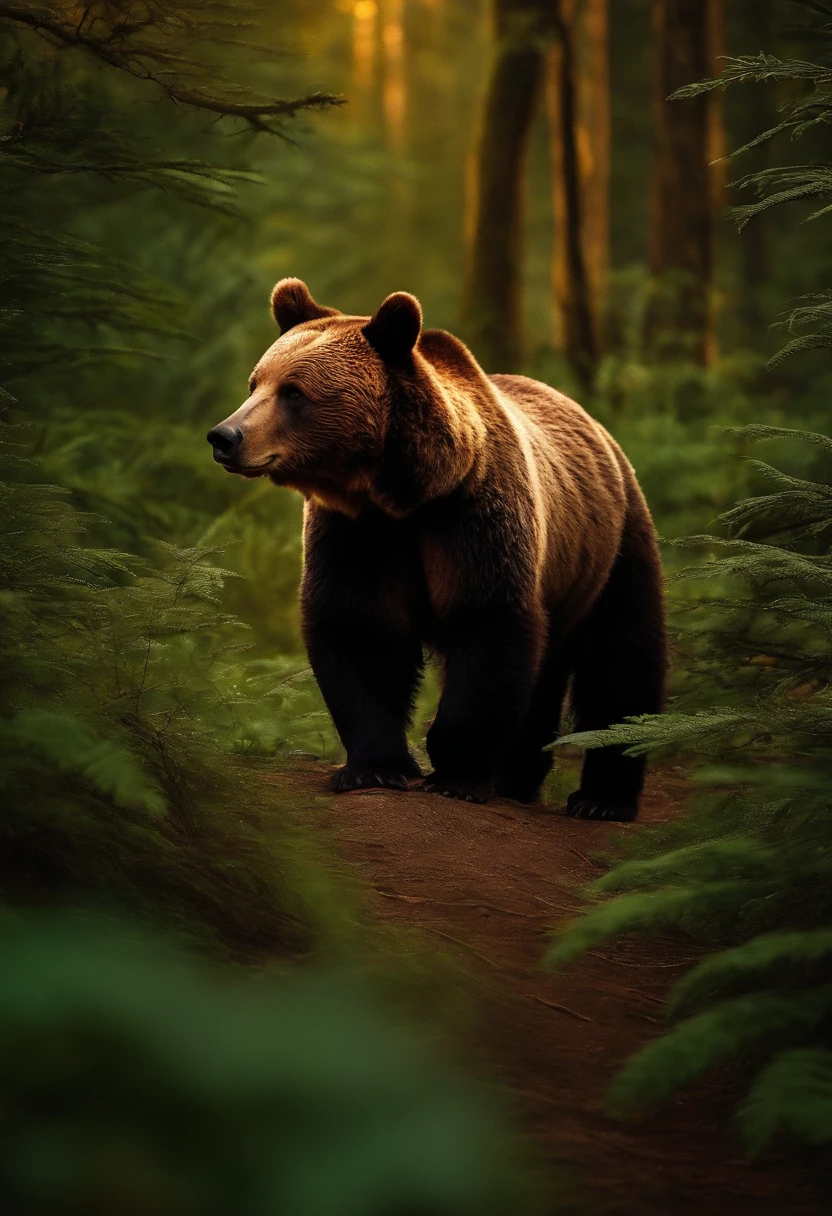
x: 730, y: 858
x: 732, y: 1028
x: 795, y: 959
x: 792, y: 1096
x: 756, y: 69
x: 690, y: 909
x: 62, y: 740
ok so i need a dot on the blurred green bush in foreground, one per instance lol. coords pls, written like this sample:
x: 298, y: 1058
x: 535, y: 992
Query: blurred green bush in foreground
x: 134, y: 1081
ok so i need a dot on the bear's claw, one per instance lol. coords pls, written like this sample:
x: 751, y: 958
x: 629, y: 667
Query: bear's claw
x: 581, y: 806
x: 373, y: 776
x: 467, y: 791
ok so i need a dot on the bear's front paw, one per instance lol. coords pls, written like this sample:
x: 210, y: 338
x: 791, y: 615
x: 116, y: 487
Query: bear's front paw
x: 468, y: 791
x: 586, y: 806
x: 365, y: 775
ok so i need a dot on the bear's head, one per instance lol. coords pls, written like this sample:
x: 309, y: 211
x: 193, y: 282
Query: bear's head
x: 349, y: 411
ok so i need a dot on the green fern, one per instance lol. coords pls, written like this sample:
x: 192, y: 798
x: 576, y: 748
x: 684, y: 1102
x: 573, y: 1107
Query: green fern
x: 134, y: 1079
x: 734, y: 1028
x: 791, y: 1097
x: 747, y: 872
x: 64, y: 742
x: 123, y: 669
x: 798, y: 958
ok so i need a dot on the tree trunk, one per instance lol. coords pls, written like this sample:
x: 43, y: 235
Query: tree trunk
x: 400, y: 218
x: 364, y: 37
x: 757, y: 113
x: 492, y: 302
x: 578, y: 82
x: 682, y: 216
x: 394, y: 97
x: 717, y: 165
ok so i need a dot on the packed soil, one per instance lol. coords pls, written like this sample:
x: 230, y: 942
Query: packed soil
x: 489, y: 883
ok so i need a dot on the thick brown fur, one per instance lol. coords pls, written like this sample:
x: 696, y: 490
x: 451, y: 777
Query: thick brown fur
x: 488, y: 518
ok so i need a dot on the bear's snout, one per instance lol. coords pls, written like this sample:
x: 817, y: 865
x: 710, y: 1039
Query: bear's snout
x: 226, y: 442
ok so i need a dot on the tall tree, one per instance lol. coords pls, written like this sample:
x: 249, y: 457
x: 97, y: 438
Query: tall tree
x: 578, y: 81
x: 754, y: 110
x: 683, y: 193
x: 364, y: 39
x: 394, y: 97
x: 492, y: 313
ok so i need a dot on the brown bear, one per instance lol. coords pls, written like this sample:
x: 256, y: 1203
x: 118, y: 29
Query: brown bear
x: 487, y: 518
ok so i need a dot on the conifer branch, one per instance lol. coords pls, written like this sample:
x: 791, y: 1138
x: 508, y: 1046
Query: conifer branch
x: 126, y: 43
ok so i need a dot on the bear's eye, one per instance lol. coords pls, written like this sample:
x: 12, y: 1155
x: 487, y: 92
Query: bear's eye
x: 252, y: 385
x: 292, y: 394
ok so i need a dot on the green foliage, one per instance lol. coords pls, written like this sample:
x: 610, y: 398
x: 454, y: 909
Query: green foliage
x: 792, y: 1097
x: 126, y: 689
x: 748, y: 870
x: 134, y: 1080
x: 66, y: 744
x: 115, y: 709
x: 734, y: 1027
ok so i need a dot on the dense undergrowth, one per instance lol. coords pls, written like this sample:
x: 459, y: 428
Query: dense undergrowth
x: 125, y: 693
x: 747, y: 874
x: 748, y: 871
x: 137, y: 1080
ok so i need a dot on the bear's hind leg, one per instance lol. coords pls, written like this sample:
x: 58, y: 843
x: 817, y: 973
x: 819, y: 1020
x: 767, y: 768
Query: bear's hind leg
x: 526, y: 764
x: 620, y: 665
x: 491, y: 660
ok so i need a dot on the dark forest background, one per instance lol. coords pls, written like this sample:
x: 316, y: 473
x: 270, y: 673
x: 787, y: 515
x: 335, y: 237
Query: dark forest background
x: 515, y: 164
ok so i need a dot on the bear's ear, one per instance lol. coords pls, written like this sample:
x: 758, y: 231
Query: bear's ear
x: 292, y: 305
x: 395, y: 328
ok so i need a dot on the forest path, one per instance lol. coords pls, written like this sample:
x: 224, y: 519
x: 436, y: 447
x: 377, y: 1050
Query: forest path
x: 489, y: 882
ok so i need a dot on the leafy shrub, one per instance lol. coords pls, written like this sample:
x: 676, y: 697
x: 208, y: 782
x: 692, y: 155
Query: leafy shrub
x: 135, y: 1081
x: 749, y: 871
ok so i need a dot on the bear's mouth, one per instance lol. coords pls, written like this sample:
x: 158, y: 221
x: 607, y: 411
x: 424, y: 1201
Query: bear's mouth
x: 250, y: 470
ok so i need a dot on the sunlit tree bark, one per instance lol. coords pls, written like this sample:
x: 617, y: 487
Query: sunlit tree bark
x: 594, y: 147
x: 492, y: 309
x: 365, y: 21
x: 579, y: 71
x: 394, y: 96
x: 684, y: 189
x: 717, y: 165
x: 757, y: 112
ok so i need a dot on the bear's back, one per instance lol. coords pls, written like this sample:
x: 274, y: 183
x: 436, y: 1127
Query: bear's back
x: 583, y: 479
x: 557, y: 415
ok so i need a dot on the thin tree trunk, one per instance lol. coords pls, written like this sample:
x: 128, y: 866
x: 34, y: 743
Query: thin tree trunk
x: 492, y: 302
x: 758, y: 113
x: 394, y: 97
x: 578, y: 79
x: 400, y: 217
x: 681, y: 252
x: 364, y: 36
x: 717, y: 165
x: 594, y: 138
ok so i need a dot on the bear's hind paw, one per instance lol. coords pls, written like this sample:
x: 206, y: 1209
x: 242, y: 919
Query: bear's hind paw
x: 584, y: 806
x: 467, y: 791
x: 369, y: 776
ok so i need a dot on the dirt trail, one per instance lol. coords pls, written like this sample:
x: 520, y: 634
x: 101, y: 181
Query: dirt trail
x: 485, y: 880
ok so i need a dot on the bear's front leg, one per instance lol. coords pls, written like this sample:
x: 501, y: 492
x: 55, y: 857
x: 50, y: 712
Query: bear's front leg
x: 367, y: 676
x: 491, y: 659
x: 361, y: 643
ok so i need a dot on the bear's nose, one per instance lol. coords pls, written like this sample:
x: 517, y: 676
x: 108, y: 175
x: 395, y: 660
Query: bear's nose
x: 225, y: 440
